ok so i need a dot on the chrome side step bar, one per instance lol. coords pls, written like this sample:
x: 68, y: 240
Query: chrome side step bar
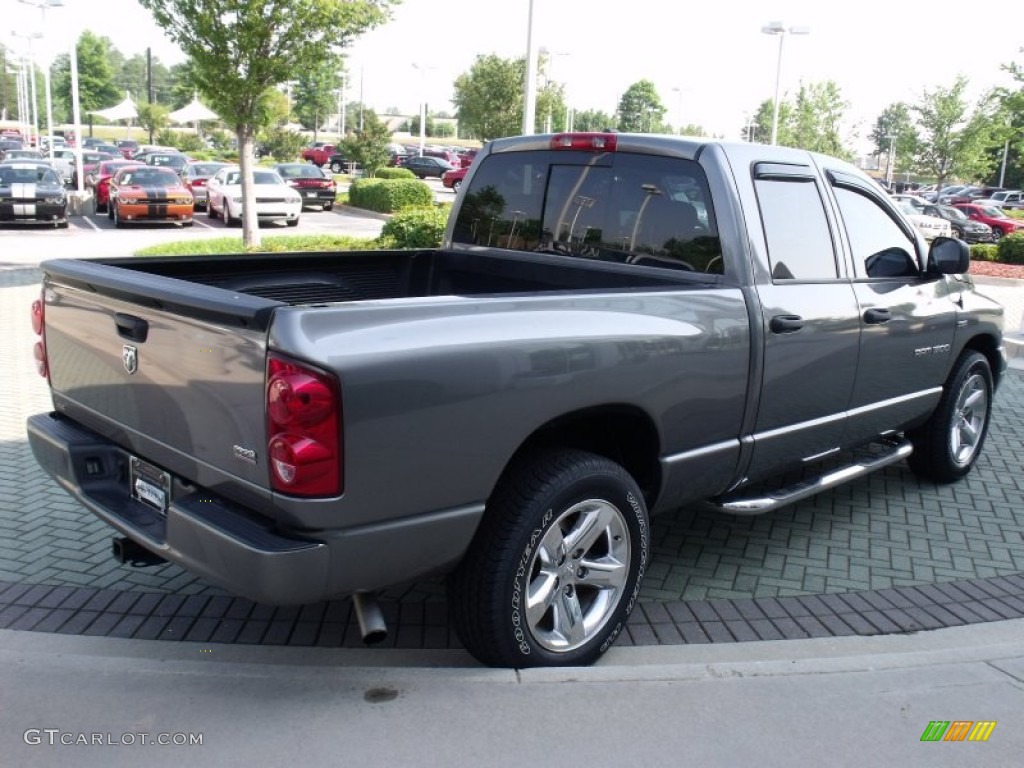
x: 896, y: 448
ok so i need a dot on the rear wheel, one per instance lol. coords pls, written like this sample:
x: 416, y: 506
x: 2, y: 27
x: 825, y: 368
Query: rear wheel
x: 556, y: 565
x: 211, y: 212
x: 997, y: 234
x: 117, y: 216
x: 336, y: 167
x: 230, y: 220
x: 958, y: 233
x: 949, y: 443
x: 328, y: 206
x: 457, y: 184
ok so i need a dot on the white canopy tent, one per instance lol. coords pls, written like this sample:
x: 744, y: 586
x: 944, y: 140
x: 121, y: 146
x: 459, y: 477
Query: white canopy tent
x: 193, y: 112
x: 126, y: 110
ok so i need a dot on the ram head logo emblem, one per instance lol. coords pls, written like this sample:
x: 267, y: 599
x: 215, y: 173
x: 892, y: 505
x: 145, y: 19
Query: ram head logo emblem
x: 130, y: 358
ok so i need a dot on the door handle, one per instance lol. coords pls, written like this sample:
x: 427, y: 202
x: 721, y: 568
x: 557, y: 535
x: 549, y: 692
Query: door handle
x: 876, y: 315
x: 786, y: 324
x: 131, y: 327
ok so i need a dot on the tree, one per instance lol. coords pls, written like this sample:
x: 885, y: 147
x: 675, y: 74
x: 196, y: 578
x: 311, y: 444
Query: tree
x: 640, y: 108
x: 489, y: 98
x: 315, y: 94
x: 953, y: 139
x: 154, y: 117
x: 816, y: 118
x: 894, y: 130
x: 243, y: 49
x: 593, y: 120
x: 132, y: 76
x: 184, y: 83
x: 96, y: 88
x: 759, y: 130
x: 369, y: 147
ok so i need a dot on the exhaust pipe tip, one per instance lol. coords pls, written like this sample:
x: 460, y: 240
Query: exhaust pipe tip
x: 371, y: 620
x: 128, y: 552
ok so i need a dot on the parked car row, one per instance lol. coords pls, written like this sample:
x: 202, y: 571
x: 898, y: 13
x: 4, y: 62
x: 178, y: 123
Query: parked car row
x: 979, y: 222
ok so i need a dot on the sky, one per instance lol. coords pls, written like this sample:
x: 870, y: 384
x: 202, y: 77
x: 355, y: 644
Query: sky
x: 877, y: 51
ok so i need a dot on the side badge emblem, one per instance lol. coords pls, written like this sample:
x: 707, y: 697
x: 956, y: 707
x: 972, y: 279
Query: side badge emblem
x: 130, y: 358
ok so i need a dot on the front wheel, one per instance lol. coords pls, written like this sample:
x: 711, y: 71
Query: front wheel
x: 456, y: 185
x: 336, y: 167
x: 949, y: 443
x: 997, y: 234
x: 556, y: 565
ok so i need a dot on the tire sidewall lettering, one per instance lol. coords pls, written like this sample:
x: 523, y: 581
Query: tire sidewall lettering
x: 519, y: 582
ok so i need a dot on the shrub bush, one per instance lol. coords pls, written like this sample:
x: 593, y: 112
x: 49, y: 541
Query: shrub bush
x: 1011, y: 249
x: 416, y: 228
x: 984, y: 252
x: 186, y: 142
x: 393, y: 173
x: 389, y: 195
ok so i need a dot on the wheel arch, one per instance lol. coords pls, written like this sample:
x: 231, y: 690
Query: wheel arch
x: 988, y: 346
x: 622, y: 433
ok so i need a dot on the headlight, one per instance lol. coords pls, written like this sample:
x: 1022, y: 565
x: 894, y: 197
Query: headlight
x: 295, y: 199
x: 127, y: 200
x: 54, y: 200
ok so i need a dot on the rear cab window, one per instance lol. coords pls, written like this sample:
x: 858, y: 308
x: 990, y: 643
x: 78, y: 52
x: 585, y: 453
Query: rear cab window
x: 648, y: 210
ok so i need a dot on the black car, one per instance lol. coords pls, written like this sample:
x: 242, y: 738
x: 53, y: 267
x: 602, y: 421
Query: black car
x: 312, y: 183
x: 338, y: 163
x: 32, y: 192
x: 427, y: 166
x: 965, y: 229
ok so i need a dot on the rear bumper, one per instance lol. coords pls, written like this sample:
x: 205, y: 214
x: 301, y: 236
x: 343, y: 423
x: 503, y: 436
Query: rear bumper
x: 237, y: 549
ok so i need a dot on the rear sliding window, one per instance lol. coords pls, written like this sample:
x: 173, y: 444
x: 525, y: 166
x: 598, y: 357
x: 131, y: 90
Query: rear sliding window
x: 619, y: 207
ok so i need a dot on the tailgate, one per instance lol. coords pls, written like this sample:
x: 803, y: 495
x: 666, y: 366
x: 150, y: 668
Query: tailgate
x: 171, y: 370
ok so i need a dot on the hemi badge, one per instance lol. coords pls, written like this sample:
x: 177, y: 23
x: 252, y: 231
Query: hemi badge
x: 130, y: 358
x: 247, y: 455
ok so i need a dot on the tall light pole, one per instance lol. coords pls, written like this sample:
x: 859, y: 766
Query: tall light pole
x: 778, y: 28
x: 42, y: 5
x: 34, y: 106
x: 679, y: 109
x: 530, y: 89
x: 423, y: 105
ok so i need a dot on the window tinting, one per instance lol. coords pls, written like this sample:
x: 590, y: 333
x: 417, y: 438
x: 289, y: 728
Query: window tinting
x: 796, y: 230
x: 620, y: 207
x: 878, y: 242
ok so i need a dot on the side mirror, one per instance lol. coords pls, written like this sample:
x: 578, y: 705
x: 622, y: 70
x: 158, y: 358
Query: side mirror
x: 949, y: 256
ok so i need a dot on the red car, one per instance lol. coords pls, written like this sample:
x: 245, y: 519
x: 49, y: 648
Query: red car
x: 98, y: 180
x: 453, y: 178
x: 994, y: 216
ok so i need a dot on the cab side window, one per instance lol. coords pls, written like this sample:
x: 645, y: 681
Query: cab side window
x: 880, y: 246
x: 795, y: 229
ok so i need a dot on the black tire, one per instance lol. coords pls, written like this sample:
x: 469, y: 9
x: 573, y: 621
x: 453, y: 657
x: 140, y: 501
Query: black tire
x: 337, y: 168
x: 525, y: 545
x: 116, y: 215
x: 293, y: 222
x: 230, y: 220
x: 210, y: 212
x: 110, y: 210
x: 328, y: 206
x: 456, y: 185
x: 958, y: 233
x: 947, y: 446
x: 997, y: 234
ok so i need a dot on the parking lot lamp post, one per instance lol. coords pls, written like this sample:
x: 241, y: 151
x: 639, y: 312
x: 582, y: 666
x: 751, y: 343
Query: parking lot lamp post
x: 42, y: 5
x: 778, y: 28
x: 679, y: 109
x: 423, y: 106
x: 34, y: 106
x: 530, y: 89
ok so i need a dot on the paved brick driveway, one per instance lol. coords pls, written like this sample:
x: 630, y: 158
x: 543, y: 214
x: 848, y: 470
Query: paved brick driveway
x: 884, y: 554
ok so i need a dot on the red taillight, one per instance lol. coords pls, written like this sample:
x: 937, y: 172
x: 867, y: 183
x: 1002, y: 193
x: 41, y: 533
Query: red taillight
x: 199, y: 182
x: 303, y: 429
x: 39, y: 328
x: 594, y: 141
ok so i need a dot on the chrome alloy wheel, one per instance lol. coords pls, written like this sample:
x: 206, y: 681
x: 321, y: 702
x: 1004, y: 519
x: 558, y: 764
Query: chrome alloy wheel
x: 577, y: 574
x: 968, y: 424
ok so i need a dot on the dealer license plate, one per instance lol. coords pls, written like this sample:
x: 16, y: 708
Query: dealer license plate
x: 311, y: 194
x: 149, y: 484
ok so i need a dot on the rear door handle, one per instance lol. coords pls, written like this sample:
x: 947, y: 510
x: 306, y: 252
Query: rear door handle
x: 875, y: 315
x: 786, y: 323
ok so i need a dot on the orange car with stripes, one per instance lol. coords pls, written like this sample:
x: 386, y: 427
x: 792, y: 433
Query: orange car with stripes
x: 140, y: 194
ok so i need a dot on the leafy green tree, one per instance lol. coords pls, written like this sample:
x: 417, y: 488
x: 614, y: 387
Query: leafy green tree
x: 953, y: 138
x: 640, y: 108
x: 154, y: 117
x: 96, y: 88
x: 593, y: 120
x: 550, y: 109
x: 369, y: 147
x: 1009, y: 148
x: 241, y: 50
x: 894, y: 129
x: 489, y: 98
x: 132, y: 76
x: 184, y: 83
x: 816, y: 118
x: 315, y: 97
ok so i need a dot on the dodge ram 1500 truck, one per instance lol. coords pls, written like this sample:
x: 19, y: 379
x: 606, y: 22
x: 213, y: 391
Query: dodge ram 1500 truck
x: 614, y: 325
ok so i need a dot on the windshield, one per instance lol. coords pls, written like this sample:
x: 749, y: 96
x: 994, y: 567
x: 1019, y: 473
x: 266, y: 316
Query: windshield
x: 266, y: 177
x: 952, y: 213
x: 993, y: 212
x: 39, y: 174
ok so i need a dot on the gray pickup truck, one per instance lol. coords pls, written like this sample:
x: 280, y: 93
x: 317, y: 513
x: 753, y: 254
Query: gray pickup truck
x: 615, y: 325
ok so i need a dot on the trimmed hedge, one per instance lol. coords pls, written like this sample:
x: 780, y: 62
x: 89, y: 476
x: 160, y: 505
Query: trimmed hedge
x: 416, y: 228
x: 393, y: 173
x: 390, y: 195
x: 1011, y: 249
x: 985, y: 252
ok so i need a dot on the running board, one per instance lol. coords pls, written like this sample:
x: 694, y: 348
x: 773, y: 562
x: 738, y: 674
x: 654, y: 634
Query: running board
x: 895, y: 449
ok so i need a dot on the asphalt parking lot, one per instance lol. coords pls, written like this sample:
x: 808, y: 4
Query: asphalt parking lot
x: 886, y: 554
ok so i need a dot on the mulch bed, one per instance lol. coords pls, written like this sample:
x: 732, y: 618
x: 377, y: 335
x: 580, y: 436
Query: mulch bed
x: 991, y: 269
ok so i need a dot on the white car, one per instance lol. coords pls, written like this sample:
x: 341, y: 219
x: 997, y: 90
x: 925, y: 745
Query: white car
x: 1010, y: 199
x: 929, y: 226
x: 275, y: 200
